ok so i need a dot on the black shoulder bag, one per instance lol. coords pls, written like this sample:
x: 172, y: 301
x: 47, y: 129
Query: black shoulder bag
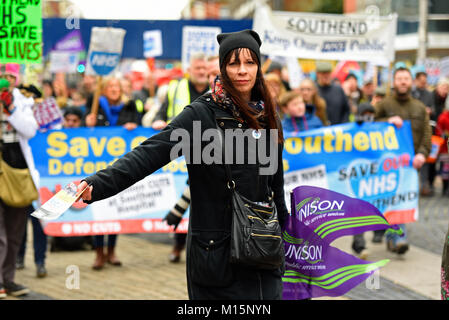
x: 256, y: 239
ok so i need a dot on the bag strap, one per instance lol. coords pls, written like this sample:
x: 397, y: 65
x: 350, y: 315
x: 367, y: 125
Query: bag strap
x: 230, y: 183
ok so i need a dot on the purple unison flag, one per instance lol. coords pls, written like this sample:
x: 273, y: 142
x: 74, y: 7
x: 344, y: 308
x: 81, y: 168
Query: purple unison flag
x: 313, y: 267
x: 71, y: 42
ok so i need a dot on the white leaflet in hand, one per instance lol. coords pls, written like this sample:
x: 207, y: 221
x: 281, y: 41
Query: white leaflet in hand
x: 58, y: 204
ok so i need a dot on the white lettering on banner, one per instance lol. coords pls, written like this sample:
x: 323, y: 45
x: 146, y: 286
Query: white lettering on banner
x: 154, y: 193
x: 105, y: 60
x: 313, y: 176
x: 198, y: 39
x: 326, y: 36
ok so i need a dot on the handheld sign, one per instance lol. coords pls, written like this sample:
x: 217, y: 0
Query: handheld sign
x: 59, y: 203
x: 105, y: 49
x: 21, y: 32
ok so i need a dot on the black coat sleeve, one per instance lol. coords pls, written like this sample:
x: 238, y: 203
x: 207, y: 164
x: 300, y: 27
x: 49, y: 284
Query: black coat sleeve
x: 277, y: 186
x: 149, y: 156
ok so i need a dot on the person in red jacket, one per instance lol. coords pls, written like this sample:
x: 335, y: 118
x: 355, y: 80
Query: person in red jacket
x: 442, y: 130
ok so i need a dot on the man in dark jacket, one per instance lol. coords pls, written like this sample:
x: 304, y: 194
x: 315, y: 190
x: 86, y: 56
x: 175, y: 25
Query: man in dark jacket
x: 337, y: 105
x: 420, y: 92
x: 396, y: 108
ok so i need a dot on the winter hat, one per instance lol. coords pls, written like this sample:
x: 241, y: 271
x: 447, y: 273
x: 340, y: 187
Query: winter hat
x: 12, y: 69
x: 242, y: 39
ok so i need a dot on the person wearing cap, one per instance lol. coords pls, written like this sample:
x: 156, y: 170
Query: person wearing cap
x: 276, y: 67
x: 395, y: 109
x: 239, y: 100
x: 337, y: 105
x: 367, y: 90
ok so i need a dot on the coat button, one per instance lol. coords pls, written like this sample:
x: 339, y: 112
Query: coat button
x: 239, y: 125
x: 211, y: 242
x: 221, y: 124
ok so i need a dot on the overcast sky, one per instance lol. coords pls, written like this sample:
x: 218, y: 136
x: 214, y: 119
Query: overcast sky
x: 131, y: 9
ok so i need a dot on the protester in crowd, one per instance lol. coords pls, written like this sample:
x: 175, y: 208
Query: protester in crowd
x: 367, y: 90
x: 72, y: 117
x: 337, y: 105
x: 353, y: 94
x: 179, y: 94
x: 421, y: 92
x: 112, y: 111
x: 39, y: 246
x: 88, y: 85
x: 11, y: 72
x: 428, y: 171
x: 78, y: 100
x: 182, y: 92
x: 153, y: 105
x: 299, y: 116
x: 127, y: 88
x: 213, y: 70
x: 146, y: 97
x: 275, y: 87
x: 442, y: 130
x: 379, y: 95
x: 17, y: 127
x: 61, y: 90
x: 310, y: 95
x: 439, y: 95
x: 276, y: 68
x: 48, y: 116
x: 47, y: 89
x: 395, y: 109
x: 241, y: 96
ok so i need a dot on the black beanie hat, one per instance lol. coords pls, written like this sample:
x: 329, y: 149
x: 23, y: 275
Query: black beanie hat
x: 242, y: 39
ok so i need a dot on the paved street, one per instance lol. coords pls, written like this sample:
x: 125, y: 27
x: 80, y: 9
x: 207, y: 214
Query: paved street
x: 146, y: 273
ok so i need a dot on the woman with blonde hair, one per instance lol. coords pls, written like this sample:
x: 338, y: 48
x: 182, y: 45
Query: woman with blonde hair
x: 310, y: 95
x: 275, y: 86
x: 114, y: 109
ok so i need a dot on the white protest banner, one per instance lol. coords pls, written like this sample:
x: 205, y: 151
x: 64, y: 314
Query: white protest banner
x: 295, y: 74
x: 198, y: 39
x: 326, y: 36
x: 64, y: 61
x: 105, y: 49
x: 444, y: 67
x: 152, y: 43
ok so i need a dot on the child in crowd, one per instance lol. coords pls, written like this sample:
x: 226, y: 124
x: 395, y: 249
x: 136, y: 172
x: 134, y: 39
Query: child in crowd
x: 299, y: 116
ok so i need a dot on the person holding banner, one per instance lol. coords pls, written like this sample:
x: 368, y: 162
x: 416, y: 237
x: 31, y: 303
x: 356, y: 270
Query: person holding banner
x: 395, y: 109
x: 113, y: 111
x: 240, y: 100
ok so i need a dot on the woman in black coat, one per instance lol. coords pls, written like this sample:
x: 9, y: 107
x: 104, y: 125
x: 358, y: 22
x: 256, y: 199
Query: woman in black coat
x: 239, y: 100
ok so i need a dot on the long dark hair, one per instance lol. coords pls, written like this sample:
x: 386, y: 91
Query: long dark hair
x: 259, y: 92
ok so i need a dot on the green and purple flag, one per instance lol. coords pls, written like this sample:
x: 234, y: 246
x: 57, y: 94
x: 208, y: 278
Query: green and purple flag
x: 313, y: 267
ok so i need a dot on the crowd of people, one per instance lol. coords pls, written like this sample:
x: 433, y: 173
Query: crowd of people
x: 313, y: 104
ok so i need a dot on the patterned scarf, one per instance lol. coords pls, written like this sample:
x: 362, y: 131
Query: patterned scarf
x: 222, y: 98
